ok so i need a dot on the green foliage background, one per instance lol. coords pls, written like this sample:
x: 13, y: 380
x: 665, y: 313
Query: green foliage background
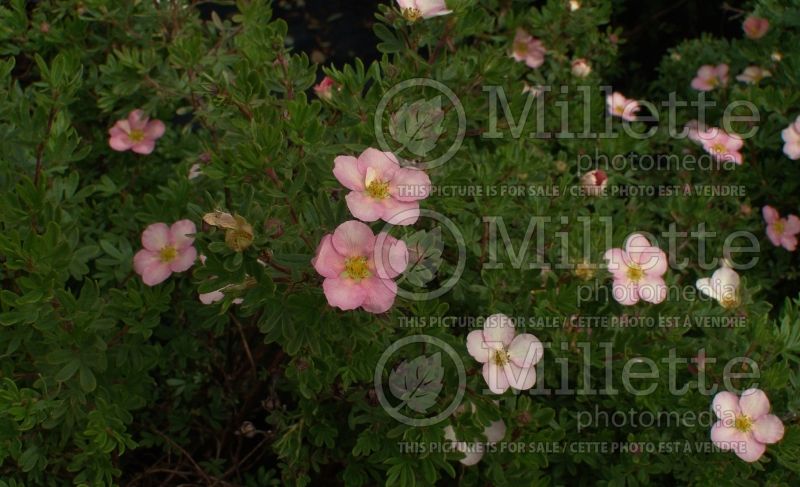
x: 104, y: 380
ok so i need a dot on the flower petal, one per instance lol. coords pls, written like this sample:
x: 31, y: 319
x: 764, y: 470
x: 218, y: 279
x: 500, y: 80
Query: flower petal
x: 498, y: 330
x: 754, y: 403
x: 726, y: 407
x: 181, y: 234
x: 476, y: 346
x: 144, y: 147
x: 750, y: 449
x: 343, y: 293
x: 725, y: 437
x: 156, y: 236
x: 380, y: 294
x: 768, y: 429
x: 364, y: 207
x: 390, y: 256
x: 327, y: 262
x: 525, y: 350
x: 400, y: 212
x: 520, y: 378
x: 652, y: 289
x: 353, y: 239
x: 184, y: 260
x: 495, y: 377
x: 345, y: 169
x: 154, y: 129
x: 625, y: 292
x: 770, y: 214
x: 410, y: 185
x: 384, y: 164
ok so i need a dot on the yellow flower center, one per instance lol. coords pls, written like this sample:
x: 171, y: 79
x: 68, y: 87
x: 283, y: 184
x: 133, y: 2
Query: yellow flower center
x: 356, y: 268
x: 378, y: 189
x: 500, y: 357
x: 713, y: 81
x: 635, y: 273
x: 729, y: 300
x: 412, y: 14
x: 718, y: 148
x: 778, y: 226
x: 743, y: 423
x: 521, y: 48
x: 136, y: 135
x: 168, y: 254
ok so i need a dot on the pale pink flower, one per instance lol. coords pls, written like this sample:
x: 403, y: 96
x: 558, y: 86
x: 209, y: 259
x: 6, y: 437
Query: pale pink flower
x: 755, y: 27
x: 195, y: 171
x: 745, y: 425
x: 594, y: 182
x: 722, y: 145
x: 782, y: 232
x: 136, y: 133
x: 380, y: 188
x: 534, y: 90
x: 710, y: 77
x: 622, y: 107
x: 753, y: 75
x: 473, y: 452
x: 508, y: 360
x: 359, y: 267
x: 415, y: 9
x: 324, y: 89
x: 218, y: 295
x: 166, y: 250
x: 723, y: 285
x: 791, y: 139
x: 528, y: 49
x: 581, y: 68
x: 637, y: 271
x: 695, y: 131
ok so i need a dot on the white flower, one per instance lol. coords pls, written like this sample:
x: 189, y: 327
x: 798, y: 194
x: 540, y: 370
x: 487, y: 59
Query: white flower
x: 753, y: 74
x: 723, y: 286
x: 474, y: 451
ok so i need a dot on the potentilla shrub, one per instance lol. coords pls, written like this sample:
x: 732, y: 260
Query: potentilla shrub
x: 475, y: 261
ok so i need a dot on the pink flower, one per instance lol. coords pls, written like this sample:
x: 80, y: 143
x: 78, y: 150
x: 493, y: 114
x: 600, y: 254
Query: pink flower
x: 508, y: 360
x: 722, y: 145
x: 324, y: 89
x: 619, y: 106
x: 413, y: 10
x: 380, y: 188
x: 166, y: 250
x: 594, y: 182
x: 755, y: 27
x: 528, y: 49
x: 637, y: 271
x: 782, y: 232
x: 791, y: 139
x: 710, y: 77
x: 745, y: 425
x: 358, y: 267
x: 137, y: 133
x: 581, y: 68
